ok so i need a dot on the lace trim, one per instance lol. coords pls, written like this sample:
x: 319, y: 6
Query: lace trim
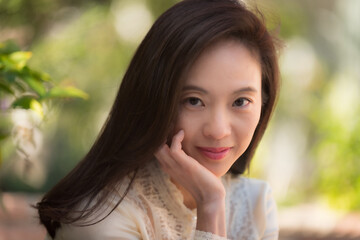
x: 139, y: 203
x: 200, y: 235
x: 150, y: 226
x: 170, y: 216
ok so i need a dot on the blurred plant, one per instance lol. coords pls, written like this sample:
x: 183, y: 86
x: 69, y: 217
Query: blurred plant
x: 27, y: 21
x: 22, y: 87
x: 336, y: 149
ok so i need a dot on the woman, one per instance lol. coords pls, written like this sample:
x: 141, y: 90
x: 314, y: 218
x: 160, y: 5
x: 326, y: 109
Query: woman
x: 192, y: 107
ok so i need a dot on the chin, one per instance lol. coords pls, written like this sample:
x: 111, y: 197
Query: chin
x: 216, y: 170
x: 219, y: 174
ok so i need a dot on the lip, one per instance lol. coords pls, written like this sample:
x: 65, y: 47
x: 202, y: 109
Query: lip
x: 214, y: 153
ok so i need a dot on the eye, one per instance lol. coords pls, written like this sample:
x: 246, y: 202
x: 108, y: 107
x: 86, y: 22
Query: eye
x: 241, y: 102
x: 193, y: 101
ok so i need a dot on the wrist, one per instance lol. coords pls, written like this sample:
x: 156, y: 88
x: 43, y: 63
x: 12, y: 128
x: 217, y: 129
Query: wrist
x: 211, y: 207
x: 208, y: 199
x: 211, y: 217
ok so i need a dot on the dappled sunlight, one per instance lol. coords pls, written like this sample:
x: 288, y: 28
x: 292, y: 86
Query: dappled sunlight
x: 135, y: 13
x: 28, y: 142
x: 285, y: 158
x: 343, y: 94
x: 309, y: 152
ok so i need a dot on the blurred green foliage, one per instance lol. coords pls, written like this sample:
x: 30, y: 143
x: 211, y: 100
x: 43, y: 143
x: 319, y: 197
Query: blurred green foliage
x: 81, y: 43
x: 27, y: 85
x: 322, y: 101
x: 337, y: 153
x: 23, y: 87
x: 37, y: 15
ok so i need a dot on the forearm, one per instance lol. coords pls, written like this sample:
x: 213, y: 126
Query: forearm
x: 211, y: 217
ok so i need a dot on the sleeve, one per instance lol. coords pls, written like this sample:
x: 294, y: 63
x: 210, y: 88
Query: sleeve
x: 126, y: 223
x: 265, y: 211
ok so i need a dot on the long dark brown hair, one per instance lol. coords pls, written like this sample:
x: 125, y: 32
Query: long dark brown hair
x: 147, y: 103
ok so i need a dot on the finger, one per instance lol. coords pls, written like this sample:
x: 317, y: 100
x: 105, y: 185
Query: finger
x: 177, y: 139
x: 176, y: 146
x: 166, y: 160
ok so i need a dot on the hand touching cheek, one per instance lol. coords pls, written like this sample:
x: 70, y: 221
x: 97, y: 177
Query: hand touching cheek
x: 202, y: 184
x: 206, y: 188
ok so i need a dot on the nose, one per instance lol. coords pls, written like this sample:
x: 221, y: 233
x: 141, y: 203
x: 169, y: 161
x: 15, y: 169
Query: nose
x: 217, y: 125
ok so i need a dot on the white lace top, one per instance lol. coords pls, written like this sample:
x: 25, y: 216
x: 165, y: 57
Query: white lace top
x: 153, y: 209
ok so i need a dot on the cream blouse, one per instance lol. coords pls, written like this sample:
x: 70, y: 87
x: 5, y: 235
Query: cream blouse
x: 153, y: 209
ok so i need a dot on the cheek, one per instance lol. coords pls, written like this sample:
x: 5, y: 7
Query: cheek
x: 246, y: 129
x: 186, y: 122
x: 191, y: 124
x: 254, y: 118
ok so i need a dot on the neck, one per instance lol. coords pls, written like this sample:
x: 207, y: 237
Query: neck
x: 189, y: 201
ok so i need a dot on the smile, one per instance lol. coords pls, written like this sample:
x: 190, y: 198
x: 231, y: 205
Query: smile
x: 214, y: 153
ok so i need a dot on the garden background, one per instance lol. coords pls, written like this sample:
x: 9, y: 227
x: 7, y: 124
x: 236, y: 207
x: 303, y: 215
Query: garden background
x: 310, y: 154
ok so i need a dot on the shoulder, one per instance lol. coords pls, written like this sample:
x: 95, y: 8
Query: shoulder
x: 257, y: 193
x: 256, y: 190
x: 126, y: 221
x: 260, y: 197
x: 257, y: 196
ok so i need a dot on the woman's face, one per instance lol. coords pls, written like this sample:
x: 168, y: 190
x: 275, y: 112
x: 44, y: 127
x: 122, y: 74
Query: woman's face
x: 220, y: 106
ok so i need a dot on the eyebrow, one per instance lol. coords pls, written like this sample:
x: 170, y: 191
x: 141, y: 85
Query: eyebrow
x: 192, y: 87
x: 246, y: 89
x: 196, y: 88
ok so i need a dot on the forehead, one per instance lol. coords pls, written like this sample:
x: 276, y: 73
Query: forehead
x: 226, y: 62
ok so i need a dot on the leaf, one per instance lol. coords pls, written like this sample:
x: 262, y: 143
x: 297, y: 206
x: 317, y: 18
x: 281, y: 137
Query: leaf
x: 23, y: 102
x: 66, y: 92
x: 20, y: 85
x: 28, y: 102
x: 8, y: 47
x: 20, y: 58
x: 7, y: 64
x: 6, y: 88
x: 36, y: 85
x: 41, y: 76
x: 36, y: 106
